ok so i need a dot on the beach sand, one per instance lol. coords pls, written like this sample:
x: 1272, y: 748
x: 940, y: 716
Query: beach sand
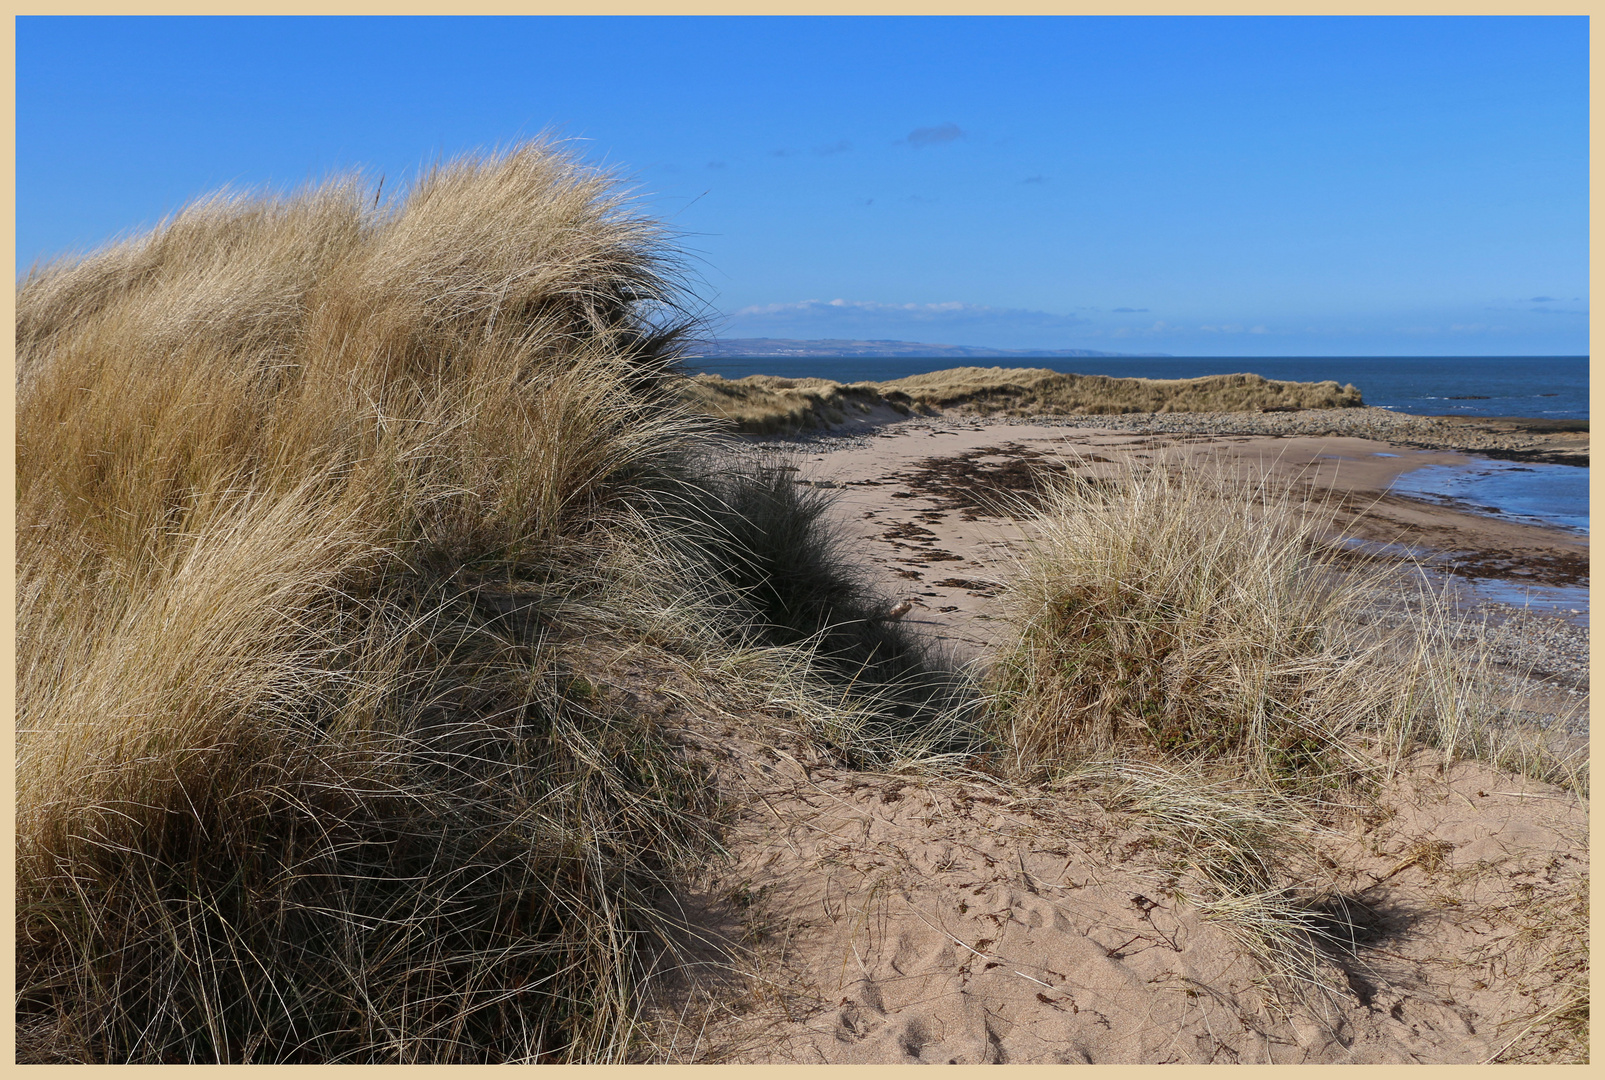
x: 904, y: 919
x: 874, y: 918
x: 932, y: 505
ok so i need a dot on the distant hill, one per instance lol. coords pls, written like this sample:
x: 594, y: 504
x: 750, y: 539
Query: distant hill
x: 755, y: 347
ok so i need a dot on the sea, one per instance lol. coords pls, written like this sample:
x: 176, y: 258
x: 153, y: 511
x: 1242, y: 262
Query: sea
x: 1540, y: 387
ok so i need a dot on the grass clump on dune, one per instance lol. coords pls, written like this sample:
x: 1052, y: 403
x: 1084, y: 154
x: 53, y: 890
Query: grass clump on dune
x: 330, y: 512
x: 1190, y: 614
x: 291, y: 784
x: 1193, y: 614
x: 1020, y: 391
x: 1197, y: 645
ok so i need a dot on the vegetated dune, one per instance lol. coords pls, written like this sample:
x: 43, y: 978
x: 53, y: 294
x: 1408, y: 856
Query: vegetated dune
x: 386, y: 615
x: 333, y: 518
x: 766, y: 403
x: 1038, y: 390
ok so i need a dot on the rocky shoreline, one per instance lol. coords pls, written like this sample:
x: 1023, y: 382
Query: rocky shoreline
x: 1509, y: 438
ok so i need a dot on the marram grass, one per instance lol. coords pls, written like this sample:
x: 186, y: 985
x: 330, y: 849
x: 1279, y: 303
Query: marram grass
x: 288, y: 790
x: 767, y: 404
x: 326, y: 506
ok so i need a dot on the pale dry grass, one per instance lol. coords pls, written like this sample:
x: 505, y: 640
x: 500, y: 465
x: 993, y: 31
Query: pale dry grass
x: 1247, y: 850
x: 303, y: 770
x: 1218, y: 615
x: 1198, y: 644
x: 333, y: 517
x: 1193, y: 614
x: 766, y: 404
x: 1037, y: 390
x: 1457, y: 699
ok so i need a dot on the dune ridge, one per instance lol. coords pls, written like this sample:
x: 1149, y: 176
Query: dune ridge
x: 767, y: 403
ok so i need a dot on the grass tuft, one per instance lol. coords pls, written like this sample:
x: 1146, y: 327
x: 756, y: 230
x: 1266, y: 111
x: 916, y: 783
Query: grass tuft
x: 1199, y: 646
x: 1191, y: 615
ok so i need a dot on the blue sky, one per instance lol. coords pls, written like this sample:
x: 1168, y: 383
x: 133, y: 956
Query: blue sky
x: 1205, y: 186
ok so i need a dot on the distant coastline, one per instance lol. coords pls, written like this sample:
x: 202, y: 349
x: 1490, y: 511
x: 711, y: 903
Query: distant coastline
x: 745, y: 348
x: 1538, y: 387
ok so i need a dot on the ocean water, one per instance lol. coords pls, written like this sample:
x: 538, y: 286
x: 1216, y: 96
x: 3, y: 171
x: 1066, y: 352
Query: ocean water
x: 1552, y: 387
x: 1553, y: 495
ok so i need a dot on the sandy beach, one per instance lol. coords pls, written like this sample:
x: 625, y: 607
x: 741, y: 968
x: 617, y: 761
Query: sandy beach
x: 917, y: 918
x: 932, y: 503
x: 914, y: 919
